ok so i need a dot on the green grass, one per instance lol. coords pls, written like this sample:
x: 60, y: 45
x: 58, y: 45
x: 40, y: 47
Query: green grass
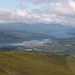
x: 54, y: 50
x: 23, y: 63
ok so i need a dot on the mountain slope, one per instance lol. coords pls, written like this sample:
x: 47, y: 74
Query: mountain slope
x: 22, y: 63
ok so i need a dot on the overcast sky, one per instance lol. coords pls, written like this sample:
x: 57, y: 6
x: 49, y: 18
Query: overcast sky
x: 38, y: 11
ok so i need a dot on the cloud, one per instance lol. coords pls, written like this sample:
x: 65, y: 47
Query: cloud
x: 58, y: 12
x: 72, y: 3
x: 62, y: 9
x: 65, y: 12
x: 21, y: 6
x: 43, y: 1
x: 36, y: 11
x: 8, y: 15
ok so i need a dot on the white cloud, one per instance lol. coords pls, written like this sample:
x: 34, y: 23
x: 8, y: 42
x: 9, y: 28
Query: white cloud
x: 36, y: 11
x: 22, y: 12
x: 60, y: 9
x: 21, y: 6
x: 65, y: 12
x: 1, y: 21
x: 72, y: 3
x: 8, y: 15
x: 43, y: 1
x: 59, y: 12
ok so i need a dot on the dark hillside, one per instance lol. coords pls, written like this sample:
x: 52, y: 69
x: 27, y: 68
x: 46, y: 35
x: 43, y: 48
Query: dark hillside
x: 12, y: 36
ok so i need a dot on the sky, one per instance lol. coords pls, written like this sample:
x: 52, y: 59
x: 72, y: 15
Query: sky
x: 38, y: 11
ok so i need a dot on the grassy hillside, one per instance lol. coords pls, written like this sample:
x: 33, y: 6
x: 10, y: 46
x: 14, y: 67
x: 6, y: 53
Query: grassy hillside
x: 12, y: 36
x: 22, y: 63
x: 71, y: 64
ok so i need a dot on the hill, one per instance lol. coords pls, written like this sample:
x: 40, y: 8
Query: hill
x: 23, y: 63
x: 12, y: 36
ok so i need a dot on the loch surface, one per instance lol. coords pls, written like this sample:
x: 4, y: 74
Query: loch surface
x: 60, y: 35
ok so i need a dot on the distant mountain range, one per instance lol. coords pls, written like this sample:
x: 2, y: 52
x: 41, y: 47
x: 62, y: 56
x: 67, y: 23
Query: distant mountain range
x: 35, y: 28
